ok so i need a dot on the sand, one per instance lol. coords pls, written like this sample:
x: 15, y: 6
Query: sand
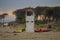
x: 6, y: 33
x: 30, y: 36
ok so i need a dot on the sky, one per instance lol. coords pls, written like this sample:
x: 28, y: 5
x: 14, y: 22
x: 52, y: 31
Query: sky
x: 8, y: 6
x: 18, y: 4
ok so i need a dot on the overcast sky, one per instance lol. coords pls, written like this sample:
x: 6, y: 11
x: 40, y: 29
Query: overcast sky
x: 17, y: 4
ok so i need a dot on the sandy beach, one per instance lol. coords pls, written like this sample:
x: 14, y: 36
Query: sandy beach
x: 6, y: 33
x: 30, y: 36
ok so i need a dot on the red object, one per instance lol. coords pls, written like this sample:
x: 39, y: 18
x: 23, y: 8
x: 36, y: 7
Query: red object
x: 40, y: 30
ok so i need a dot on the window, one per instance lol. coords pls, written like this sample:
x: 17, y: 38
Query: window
x: 29, y: 13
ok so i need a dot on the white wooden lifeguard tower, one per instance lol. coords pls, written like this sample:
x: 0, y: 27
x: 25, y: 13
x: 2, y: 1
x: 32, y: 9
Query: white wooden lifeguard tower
x: 30, y: 16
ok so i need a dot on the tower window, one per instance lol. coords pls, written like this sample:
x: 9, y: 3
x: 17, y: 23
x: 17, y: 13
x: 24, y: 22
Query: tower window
x: 29, y: 13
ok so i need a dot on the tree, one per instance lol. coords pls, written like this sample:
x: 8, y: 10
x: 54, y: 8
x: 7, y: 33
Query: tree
x: 57, y: 13
x: 20, y: 15
x: 50, y: 13
x: 3, y: 16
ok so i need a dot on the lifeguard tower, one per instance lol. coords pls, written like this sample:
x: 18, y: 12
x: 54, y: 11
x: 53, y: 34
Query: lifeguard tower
x: 30, y: 16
